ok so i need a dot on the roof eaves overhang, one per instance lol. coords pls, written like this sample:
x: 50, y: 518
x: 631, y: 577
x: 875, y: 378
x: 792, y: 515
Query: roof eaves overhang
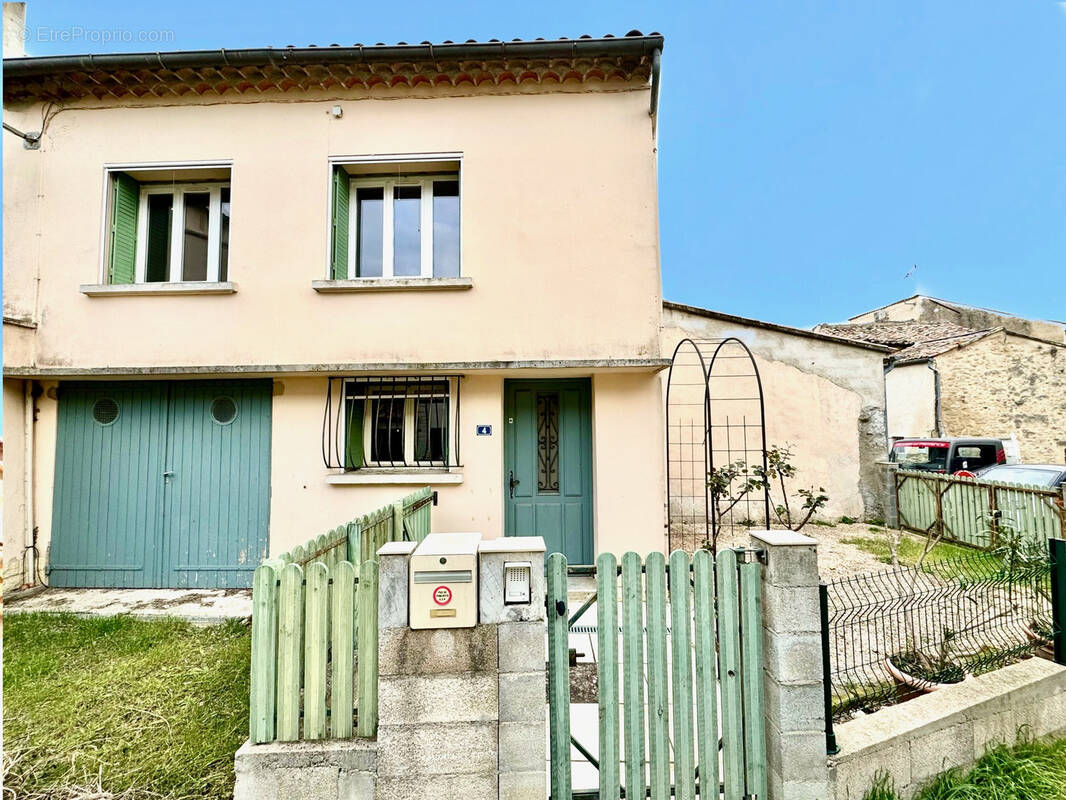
x: 218, y: 71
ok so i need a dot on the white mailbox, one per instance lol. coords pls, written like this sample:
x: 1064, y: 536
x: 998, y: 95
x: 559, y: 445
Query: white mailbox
x: 443, y: 581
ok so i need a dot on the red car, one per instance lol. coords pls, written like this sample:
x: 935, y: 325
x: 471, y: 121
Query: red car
x: 948, y: 456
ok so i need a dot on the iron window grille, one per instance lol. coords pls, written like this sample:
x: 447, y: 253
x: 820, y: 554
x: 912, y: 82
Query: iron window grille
x: 391, y: 422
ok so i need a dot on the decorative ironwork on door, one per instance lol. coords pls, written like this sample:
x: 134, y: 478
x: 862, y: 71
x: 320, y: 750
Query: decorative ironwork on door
x: 548, y: 442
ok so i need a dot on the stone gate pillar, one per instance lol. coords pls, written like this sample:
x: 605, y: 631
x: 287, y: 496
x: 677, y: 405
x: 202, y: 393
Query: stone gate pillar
x: 462, y: 711
x: 796, y: 762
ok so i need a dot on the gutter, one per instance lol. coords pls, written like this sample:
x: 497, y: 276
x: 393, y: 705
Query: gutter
x: 936, y: 397
x: 29, y: 531
x: 260, y: 56
x: 656, y: 67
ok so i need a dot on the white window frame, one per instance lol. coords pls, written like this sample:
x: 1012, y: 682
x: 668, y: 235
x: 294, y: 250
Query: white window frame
x: 177, y: 228
x: 425, y: 183
x: 409, y: 461
x: 111, y: 168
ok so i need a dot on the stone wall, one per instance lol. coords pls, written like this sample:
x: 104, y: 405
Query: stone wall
x: 1005, y: 384
x: 915, y: 741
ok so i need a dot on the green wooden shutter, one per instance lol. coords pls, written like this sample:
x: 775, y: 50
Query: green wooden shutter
x: 122, y: 256
x: 339, y: 243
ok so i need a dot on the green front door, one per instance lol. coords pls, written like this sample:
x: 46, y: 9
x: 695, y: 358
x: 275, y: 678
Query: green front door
x: 161, y: 484
x: 548, y: 464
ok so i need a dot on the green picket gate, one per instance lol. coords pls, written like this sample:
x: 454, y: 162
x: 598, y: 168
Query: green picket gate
x: 690, y: 631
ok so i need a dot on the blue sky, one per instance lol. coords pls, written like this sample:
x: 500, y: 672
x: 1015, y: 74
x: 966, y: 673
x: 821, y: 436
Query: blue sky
x: 810, y: 153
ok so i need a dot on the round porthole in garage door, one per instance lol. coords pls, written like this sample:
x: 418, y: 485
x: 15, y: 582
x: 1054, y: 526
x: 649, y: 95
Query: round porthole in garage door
x: 224, y: 410
x: 105, y: 411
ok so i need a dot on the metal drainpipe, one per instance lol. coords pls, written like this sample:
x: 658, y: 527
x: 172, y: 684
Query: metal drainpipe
x: 936, y: 394
x: 656, y: 62
x: 29, y: 562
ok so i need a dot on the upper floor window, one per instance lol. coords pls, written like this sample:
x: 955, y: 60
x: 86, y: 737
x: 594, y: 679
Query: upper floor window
x: 404, y: 224
x: 168, y: 225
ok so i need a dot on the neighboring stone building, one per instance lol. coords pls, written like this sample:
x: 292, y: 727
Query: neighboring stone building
x: 947, y: 378
x: 921, y: 308
x: 824, y: 396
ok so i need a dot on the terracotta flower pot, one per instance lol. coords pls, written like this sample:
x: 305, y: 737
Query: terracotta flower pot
x: 1045, y: 648
x: 911, y: 681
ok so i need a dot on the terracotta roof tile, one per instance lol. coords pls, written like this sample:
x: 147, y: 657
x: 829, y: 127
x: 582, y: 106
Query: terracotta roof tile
x: 916, y: 341
x: 896, y: 334
x: 934, y: 347
x: 546, y: 62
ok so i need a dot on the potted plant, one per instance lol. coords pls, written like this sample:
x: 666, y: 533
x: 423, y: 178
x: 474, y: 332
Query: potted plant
x: 1039, y: 633
x: 924, y: 672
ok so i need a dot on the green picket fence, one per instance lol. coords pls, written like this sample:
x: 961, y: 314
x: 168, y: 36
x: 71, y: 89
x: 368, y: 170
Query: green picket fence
x: 408, y: 519
x: 969, y: 510
x: 314, y: 671
x: 667, y: 625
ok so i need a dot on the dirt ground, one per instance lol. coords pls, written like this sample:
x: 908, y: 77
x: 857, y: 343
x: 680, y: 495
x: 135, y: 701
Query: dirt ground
x: 835, y: 559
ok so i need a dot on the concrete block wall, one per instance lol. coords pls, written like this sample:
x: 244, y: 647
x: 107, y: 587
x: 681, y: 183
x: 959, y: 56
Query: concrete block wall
x: 796, y: 763
x: 952, y: 727
x: 335, y: 769
x: 462, y: 711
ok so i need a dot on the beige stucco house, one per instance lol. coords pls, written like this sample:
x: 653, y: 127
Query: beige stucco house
x: 956, y: 370
x: 252, y: 294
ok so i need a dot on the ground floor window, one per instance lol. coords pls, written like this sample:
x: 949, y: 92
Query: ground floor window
x: 392, y: 422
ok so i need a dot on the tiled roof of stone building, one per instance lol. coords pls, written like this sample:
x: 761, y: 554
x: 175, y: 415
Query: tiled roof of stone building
x: 921, y: 351
x: 898, y: 334
x: 916, y: 341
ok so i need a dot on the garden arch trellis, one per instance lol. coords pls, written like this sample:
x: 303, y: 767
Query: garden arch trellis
x: 715, y: 416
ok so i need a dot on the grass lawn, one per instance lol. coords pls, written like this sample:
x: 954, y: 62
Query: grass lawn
x: 141, y: 709
x: 1026, y: 771
x: 910, y: 548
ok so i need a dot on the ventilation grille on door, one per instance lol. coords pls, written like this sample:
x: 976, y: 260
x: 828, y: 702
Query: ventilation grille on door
x: 224, y: 410
x: 105, y: 410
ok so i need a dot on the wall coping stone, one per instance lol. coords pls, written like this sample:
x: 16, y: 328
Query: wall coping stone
x: 513, y: 544
x: 784, y: 538
x: 397, y: 548
x: 937, y: 709
x: 358, y: 754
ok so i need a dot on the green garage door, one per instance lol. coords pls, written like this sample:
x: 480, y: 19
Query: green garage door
x: 161, y: 484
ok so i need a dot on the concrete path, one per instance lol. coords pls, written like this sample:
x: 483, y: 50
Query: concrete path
x: 200, y: 606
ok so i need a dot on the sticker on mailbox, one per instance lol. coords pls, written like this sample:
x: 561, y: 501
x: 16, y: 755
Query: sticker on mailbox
x: 442, y: 595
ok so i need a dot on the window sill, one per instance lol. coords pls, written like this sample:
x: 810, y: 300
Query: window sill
x: 393, y: 477
x: 153, y: 289
x: 393, y: 285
